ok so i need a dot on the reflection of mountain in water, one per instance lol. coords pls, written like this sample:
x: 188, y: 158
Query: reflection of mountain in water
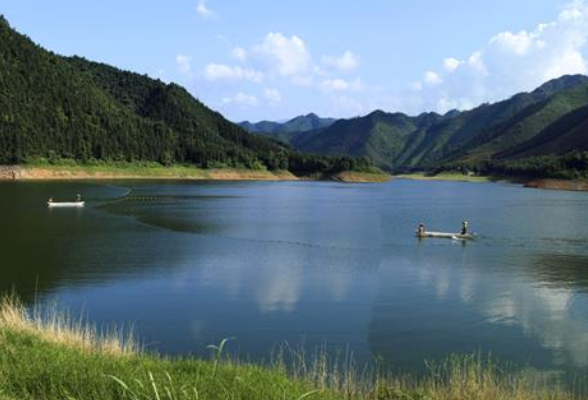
x: 45, y: 249
x: 563, y: 271
x: 35, y: 242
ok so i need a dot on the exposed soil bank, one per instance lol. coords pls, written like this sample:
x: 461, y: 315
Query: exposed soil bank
x: 446, y: 176
x: 558, y: 184
x: 20, y: 172
x: 83, y: 172
x: 361, y: 177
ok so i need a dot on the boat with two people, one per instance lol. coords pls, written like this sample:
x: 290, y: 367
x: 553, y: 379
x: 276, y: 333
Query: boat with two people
x: 464, y: 234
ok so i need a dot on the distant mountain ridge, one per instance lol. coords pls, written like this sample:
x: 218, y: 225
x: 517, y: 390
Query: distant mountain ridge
x: 302, y: 123
x: 550, y: 121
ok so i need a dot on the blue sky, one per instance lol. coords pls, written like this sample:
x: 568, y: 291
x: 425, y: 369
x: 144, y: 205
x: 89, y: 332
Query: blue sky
x: 262, y: 59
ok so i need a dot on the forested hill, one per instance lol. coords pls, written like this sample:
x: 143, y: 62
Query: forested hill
x: 301, y: 123
x: 541, y: 133
x: 58, y: 107
x: 291, y: 131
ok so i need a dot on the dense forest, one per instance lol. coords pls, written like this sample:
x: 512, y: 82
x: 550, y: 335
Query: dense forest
x: 543, y: 133
x: 54, y: 107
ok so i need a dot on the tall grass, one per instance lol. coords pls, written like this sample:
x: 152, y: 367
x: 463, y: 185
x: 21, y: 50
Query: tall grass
x: 49, y: 356
x: 55, y: 326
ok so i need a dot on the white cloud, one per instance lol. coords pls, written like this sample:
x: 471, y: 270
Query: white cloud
x: 510, y: 62
x: 288, y: 56
x: 241, y: 100
x: 516, y: 43
x: 451, y: 64
x: 203, y: 10
x: 432, y: 78
x: 272, y: 95
x: 279, y: 61
x: 340, y: 85
x: 572, y: 12
x: 476, y: 64
x: 221, y: 72
x: 184, y: 64
x: 345, y: 63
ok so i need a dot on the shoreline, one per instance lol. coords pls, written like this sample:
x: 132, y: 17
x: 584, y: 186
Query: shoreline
x: 159, y: 172
x: 56, y: 173
x: 54, y: 356
x: 450, y: 177
x: 558, y: 184
x: 156, y: 172
x: 545, y: 184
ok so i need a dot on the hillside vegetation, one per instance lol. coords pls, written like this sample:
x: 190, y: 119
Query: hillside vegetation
x: 543, y: 133
x: 54, y: 107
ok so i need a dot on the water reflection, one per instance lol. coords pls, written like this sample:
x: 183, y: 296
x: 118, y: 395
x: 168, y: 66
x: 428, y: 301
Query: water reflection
x: 191, y: 263
x: 529, y: 306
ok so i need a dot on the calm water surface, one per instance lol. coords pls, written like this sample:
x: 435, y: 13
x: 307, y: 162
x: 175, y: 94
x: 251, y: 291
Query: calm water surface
x: 189, y: 264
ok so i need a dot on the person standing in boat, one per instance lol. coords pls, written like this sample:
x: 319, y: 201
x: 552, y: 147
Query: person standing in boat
x: 464, y: 227
x: 421, y: 230
x: 78, y: 198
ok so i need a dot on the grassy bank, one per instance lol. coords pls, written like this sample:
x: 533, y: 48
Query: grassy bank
x: 55, y: 357
x: 147, y: 170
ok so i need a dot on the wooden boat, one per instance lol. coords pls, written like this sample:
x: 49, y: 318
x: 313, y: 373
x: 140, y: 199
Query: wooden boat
x: 446, y: 235
x: 66, y: 203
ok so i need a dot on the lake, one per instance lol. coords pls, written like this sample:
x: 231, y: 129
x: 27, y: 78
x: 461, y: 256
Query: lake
x: 313, y: 264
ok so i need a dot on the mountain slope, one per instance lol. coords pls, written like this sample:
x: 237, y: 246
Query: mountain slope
x: 379, y: 135
x: 57, y: 107
x: 548, y: 120
x: 531, y: 121
x: 53, y: 106
x: 567, y: 134
x: 47, y: 108
x: 173, y: 105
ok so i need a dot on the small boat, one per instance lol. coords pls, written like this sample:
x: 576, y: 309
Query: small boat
x: 446, y: 235
x: 66, y: 203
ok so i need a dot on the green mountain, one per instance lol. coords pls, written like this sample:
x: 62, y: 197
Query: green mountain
x: 58, y: 107
x: 379, y: 135
x: 290, y: 131
x: 549, y: 121
x: 567, y: 134
x: 302, y: 123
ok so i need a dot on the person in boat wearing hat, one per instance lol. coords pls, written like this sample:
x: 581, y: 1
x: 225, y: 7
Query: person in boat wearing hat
x: 464, y: 227
x: 421, y: 230
x: 78, y: 198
